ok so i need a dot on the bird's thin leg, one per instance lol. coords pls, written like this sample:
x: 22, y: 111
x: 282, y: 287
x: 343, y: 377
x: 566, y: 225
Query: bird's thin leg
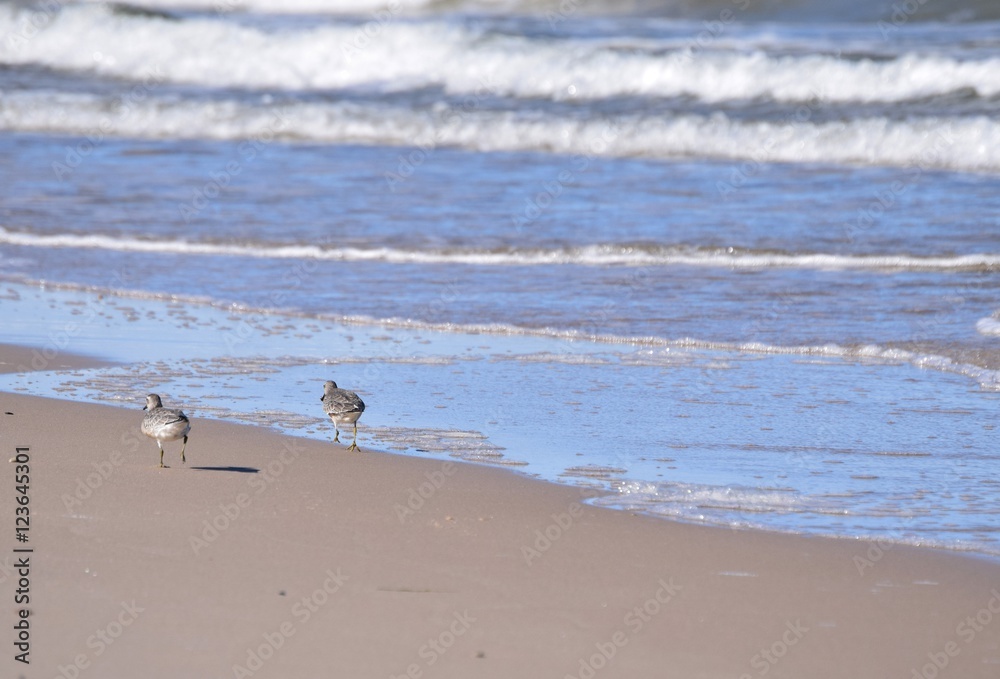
x: 336, y: 437
x: 354, y: 443
x: 183, y: 448
x: 161, y: 451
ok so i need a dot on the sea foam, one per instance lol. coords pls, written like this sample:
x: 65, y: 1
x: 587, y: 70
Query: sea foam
x: 963, y: 144
x: 591, y: 255
x: 464, y: 58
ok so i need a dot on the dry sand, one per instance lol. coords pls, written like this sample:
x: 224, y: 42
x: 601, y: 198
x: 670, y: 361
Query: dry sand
x: 272, y: 556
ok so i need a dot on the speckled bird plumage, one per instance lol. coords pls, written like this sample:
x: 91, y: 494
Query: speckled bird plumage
x: 165, y: 424
x: 342, y: 407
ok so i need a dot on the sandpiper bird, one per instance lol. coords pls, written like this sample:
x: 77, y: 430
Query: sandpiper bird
x: 343, y: 407
x: 164, y: 424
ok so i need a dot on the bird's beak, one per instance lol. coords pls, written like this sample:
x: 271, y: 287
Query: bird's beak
x: 145, y: 407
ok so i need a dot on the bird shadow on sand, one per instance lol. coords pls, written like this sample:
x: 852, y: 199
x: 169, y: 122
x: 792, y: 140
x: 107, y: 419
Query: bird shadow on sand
x: 238, y: 470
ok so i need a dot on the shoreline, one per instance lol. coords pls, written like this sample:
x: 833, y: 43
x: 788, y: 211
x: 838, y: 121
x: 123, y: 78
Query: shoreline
x: 15, y: 357
x: 388, y: 565
x: 704, y: 464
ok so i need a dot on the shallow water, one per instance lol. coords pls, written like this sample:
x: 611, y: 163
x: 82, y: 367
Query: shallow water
x: 815, y: 443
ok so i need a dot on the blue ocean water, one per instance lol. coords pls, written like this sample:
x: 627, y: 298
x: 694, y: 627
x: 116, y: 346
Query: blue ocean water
x: 729, y: 262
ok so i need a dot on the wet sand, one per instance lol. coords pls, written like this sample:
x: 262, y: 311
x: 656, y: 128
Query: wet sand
x: 273, y: 556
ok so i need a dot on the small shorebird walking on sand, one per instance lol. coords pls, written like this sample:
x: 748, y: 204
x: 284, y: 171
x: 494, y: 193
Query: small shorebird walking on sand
x: 164, y: 424
x: 343, y: 407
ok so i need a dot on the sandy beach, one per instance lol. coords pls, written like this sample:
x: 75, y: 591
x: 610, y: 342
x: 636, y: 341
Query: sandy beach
x: 273, y: 556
